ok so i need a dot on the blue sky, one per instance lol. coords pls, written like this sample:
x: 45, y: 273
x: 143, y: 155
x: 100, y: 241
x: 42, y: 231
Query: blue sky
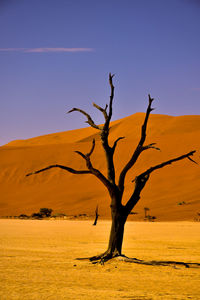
x: 57, y: 54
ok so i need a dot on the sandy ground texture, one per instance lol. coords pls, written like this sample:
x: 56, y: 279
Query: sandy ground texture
x: 38, y: 261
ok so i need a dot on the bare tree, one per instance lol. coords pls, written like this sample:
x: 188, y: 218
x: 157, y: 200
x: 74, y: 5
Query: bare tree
x: 119, y: 212
x: 96, y: 216
x: 146, y: 209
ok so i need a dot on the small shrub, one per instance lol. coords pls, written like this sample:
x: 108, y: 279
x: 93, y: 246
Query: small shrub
x: 181, y: 203
x: 37, y: 216
x: 150, y: 218
x: 46, y: 212
x: 23, y: 216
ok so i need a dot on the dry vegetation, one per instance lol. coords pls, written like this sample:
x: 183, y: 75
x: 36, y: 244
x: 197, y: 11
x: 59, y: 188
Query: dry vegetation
x: 38, y: 261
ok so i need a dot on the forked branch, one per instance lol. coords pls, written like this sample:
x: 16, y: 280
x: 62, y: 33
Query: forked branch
x: 117, y: 140
x: 138, y: 149
x: 89, y: 121
x: 112, y: 93
x: 104, y: 136
x: 107, y: 123
x: 109, y: 151
x: 140, y: 180
x: 168, y: 162
x: 93, y: 170
x: 103, y: 110
x: 87, y: 156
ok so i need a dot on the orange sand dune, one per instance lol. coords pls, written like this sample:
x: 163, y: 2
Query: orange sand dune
x: 77, y: 194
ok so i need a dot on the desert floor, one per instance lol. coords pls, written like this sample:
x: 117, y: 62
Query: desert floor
x: 38, y: 261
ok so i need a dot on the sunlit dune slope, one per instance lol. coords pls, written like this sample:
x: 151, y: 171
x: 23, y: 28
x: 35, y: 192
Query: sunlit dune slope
x: 171, y: 193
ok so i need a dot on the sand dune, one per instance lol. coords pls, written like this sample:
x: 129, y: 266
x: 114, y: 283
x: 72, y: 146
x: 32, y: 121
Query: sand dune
x: 75, y: 194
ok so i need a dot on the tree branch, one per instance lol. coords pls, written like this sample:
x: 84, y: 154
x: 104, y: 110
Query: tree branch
x: 81, y: 154
x: 104, y: 136
x: 111, y: 99
x: 150, y: 146
x: 91, y: 169
x: 92, y: 149
x: 87, y: 156
x: 103, y: 110
x: 168, y: 162
x: 138, y: 149
x: 192, y: 160
x: 141, y: 179
x: 89, y: 121
x: 61, y: 167
x: 117, y: 140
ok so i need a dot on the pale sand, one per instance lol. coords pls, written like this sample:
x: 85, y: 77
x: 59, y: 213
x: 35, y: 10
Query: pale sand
x: 38, y: 261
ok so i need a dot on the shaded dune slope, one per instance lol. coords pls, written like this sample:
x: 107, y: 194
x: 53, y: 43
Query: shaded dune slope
x: 77, y: 194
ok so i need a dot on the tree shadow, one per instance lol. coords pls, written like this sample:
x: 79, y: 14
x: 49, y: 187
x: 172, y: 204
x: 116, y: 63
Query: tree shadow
x: 101, y: 259
x: 159, y: 262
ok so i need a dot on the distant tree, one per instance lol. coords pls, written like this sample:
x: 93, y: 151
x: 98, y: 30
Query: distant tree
x: 197, y: 218
x: 146, y: 209
x: 151, y: 218
x: 37, y: 216
x: 46, y: 212
x: 147, y: 216
x: 96, y: 216
x: 23, y: 216
x: 119, y: 211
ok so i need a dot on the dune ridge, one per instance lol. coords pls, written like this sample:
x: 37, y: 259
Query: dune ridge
x: 171, y: 194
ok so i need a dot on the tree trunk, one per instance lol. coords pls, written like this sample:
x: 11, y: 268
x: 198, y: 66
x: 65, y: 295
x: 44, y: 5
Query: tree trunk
x: 116, y: 233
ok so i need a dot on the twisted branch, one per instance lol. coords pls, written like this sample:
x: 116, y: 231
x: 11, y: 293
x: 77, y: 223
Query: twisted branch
x: 91, y: 169
x: 138, y: 149
x: 89, y: 121
x: 140, y: 180
x: 168, y: 162
x: 117, y: 140
x: 107, y: 123
x: 104, y: 136
x: 103, y: 110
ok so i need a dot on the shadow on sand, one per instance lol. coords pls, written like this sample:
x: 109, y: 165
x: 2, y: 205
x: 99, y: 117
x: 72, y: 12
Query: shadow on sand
x: 124, y: 258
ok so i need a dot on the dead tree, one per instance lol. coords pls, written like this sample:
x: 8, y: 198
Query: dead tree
x: 146, y: 209
x: 119, y: 212
x: 96, y: 216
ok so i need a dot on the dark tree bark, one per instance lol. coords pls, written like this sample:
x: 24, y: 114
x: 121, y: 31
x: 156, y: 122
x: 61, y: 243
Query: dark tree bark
x: 119, y: 212
x: 117, y: 232
x: 96, y: 216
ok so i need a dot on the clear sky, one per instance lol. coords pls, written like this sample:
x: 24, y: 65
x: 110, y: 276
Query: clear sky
x: 57, y: 54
